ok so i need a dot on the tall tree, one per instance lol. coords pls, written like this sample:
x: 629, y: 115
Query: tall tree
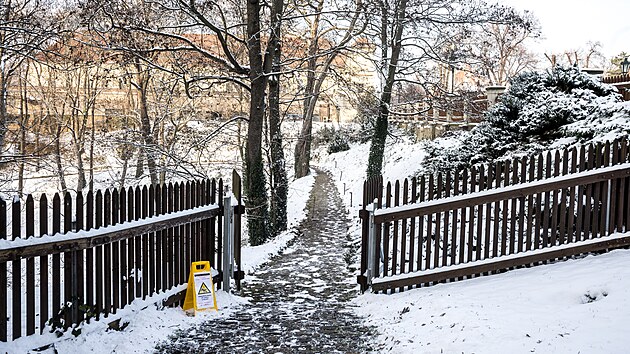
x: 323, y: 49
x: 279, y: 181
x: 411, y: 36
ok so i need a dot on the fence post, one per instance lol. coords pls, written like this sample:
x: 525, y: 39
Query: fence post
x: 372, y: 264
x: 239, y: 209
x: 227, y: 242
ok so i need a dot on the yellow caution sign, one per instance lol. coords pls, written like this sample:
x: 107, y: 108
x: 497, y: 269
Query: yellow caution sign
x: 200, y: 291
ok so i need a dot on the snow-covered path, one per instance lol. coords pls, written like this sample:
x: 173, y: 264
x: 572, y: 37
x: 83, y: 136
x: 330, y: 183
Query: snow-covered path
x: 299, y: 300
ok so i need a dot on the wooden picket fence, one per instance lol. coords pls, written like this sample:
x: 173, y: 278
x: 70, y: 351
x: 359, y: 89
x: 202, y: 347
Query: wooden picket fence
x: 493, y: 217
x: 93, y: 254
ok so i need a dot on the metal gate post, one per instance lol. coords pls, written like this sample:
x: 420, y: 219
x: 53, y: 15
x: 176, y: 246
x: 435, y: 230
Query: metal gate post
x: 227, y: 242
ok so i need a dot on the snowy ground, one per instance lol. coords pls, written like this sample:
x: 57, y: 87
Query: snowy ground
x: 577, y: 306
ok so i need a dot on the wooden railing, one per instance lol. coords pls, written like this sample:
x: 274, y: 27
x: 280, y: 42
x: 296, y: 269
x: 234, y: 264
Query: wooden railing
x: 427, y: 229
x: 104, y: 250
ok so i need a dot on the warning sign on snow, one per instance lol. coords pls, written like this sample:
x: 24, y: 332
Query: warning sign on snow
x: 200, y: 291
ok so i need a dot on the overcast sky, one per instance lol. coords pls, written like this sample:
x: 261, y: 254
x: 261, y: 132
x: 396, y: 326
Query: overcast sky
x: 570, y: 24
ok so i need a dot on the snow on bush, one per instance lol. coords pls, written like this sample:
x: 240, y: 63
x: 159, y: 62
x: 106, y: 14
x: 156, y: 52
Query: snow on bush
x: 541, y: 110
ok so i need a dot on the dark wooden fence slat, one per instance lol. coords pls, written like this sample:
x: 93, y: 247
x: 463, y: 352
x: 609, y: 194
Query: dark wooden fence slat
x: 167, y: 240
x: 3, y: 275
x: 131, y: 251
x: 386, y: 258
x: 579, y: 219
x: 147, y: 239
x: 487, y: 240
x: 429, y: 218
x: 471, y: 217
x: 99, y: 285
x: 395, y: 231
x: 547, y: 201
x: 597, y: 193
x: 564, y: 201
x: 555, y: 202
x: 529, y: 239
x: 506, y: 243
x: 216, y: 224
x: 421, y: 233
x: 30, y: 268
x: 16, y: 271
x: 412, y: 227
x: 514, y: 202
x: 219, y: 236
x: 68, y: 265
x: 153, y: 192
x: 438, y: 224
x: 605, y: 193
x: 378, y: 194
x: 480, y: 216
x: 137, y: 242
x: 462, y: 227
x: 184, y: 239
x: 171, y: 241
x: 142, y: 246
x: 126, y: 260
x: 177, y: 236
x: 107, y: 256
x: 403, y: 231
x: 89, y: 253
x: 538, y: 205
x: 191, y: 196
x: 155, y: 276
x: 571, y: 195
x: 454, y: 228
x: 43, y: 263
x: 79, y: 259
x: 445, y: 235
x: 522, y: 210
x: 116, y: 271
x: 496, y: 246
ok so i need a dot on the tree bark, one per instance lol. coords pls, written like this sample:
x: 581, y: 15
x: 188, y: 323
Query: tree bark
x: 377, y: 146
x: 145, y: 123
x: 303, y: 145
x: 256, y: 203
x: 279, y: 185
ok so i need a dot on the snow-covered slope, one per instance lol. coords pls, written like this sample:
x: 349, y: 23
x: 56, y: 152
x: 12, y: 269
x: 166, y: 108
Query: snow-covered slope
x: 577, y: 306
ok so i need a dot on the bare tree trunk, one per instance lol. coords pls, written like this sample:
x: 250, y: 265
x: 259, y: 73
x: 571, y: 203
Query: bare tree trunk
x: 279, y: 185
x: 303, y: 145
x: 139, y: 164
x: 23, y: 124
x: 145, y: 123
x: 256, y: 204
x: 60, y: 171
x: 377, y: 147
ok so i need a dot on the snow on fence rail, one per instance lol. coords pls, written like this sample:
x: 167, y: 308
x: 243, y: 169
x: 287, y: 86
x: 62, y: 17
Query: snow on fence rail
x: 490, y: 212
x: 104, y: 250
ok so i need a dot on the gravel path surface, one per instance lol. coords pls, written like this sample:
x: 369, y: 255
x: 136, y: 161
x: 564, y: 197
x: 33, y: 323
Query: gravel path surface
x: 298, y: 300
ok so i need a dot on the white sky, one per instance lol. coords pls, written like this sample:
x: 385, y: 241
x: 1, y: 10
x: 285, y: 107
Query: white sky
x: 571, y: 24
